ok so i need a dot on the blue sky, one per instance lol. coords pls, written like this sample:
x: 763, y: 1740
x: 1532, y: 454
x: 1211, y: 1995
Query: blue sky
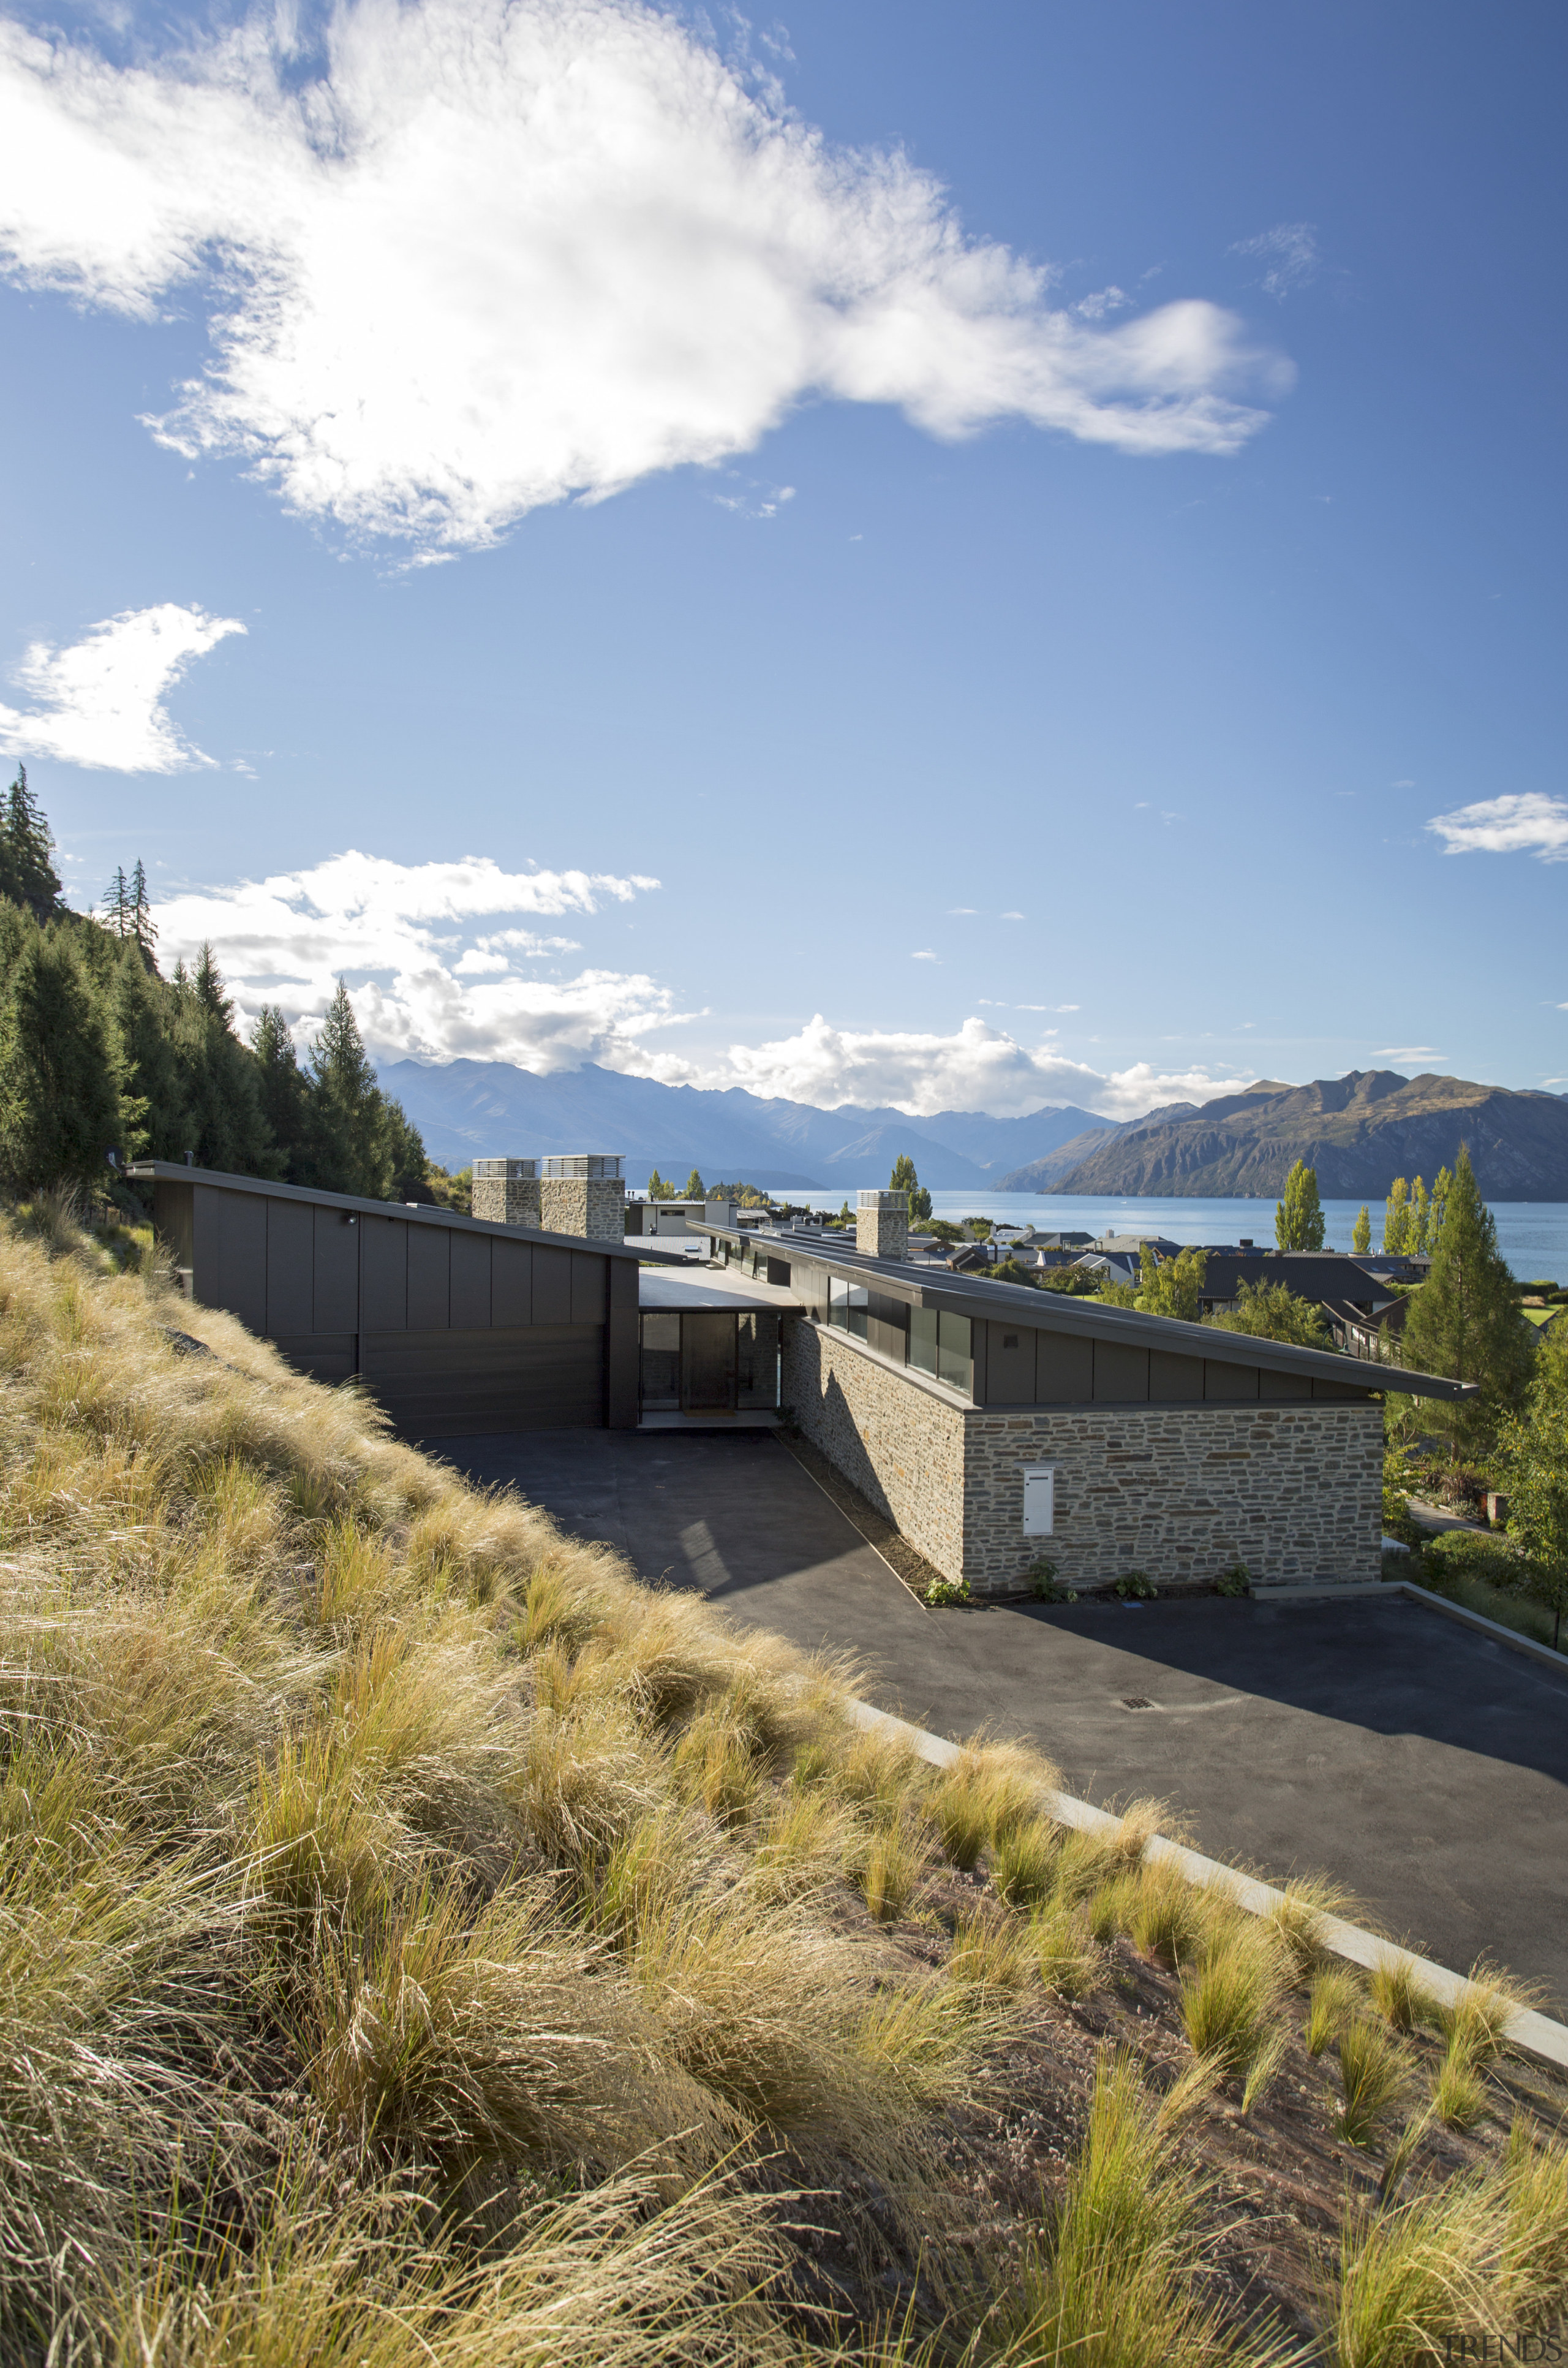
x: 1018, y: 519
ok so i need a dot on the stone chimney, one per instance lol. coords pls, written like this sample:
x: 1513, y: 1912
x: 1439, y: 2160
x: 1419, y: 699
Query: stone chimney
x: 506, y: 1192
x: 584, y: 1192
x: 882, y: 1224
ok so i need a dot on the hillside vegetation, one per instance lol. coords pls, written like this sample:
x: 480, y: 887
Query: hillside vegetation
x: 1358, y: 1131
x: 420, y: 1942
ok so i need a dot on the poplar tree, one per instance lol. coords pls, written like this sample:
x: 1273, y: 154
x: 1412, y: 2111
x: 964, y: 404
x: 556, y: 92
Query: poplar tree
x: 904, y: 1179
x: 1396, y: 1220
x: 1464, y: 1322
x: 1361, y: 1239
x: 1298, y: 1219
x: 694, y: 1189
x: 1420, y: 1220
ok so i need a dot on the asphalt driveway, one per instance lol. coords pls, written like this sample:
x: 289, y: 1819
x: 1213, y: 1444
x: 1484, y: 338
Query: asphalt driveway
x: 1410, y: 1758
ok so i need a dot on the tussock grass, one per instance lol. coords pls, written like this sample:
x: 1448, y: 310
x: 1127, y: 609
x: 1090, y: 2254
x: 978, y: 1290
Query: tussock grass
x: 1063, y: 1948
x: 989, y: 1792
x: 1300, y: 1918
x: 1375, y: 2074
x: 1116, y: 2282
x: 1024, y: 1862
x: 1401, y: 1997
x: 1230, y: 2002
x: 1336, y: 1996
x: 896, y: 1859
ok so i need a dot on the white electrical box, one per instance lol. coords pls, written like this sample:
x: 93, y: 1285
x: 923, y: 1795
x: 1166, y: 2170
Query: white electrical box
x: 1039, y: 1499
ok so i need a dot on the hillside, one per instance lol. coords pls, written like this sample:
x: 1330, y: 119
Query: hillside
x: 1359, y: 1131
x: 423, y: 1945
x: 1040, y: 1174
x: 492, y: 1110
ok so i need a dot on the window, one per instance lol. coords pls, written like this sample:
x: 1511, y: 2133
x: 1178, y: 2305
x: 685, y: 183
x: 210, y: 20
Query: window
x: 661, y: 1361
x: 923, y: 1339
x: 955, y: 1352
x: 847, y: 1305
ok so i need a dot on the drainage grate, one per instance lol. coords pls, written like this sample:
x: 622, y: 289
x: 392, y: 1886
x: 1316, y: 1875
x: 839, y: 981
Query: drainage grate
x: 1136, y: 1702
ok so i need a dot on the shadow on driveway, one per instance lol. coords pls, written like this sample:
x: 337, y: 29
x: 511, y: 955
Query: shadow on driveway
x: 1418, y: 1762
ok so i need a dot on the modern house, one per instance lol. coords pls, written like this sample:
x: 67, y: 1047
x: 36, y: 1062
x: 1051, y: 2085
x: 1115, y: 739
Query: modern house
x: 995, y: 1425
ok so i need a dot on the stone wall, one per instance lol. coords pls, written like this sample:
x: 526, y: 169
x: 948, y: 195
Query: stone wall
x: 882, y: 1224
x: 1293, y: 1490
x: 506, y: 1199
x: 901, y: 1446
x: 594, y: 1206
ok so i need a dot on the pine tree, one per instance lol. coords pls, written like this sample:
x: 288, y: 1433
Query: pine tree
x: 348, y: 1145
x: 156, y: 1123
x: 220, y: 1088
x: 59, y: 1108
x: 1396, y: 1220
x: 1298, y: 1218
x: 116, y: 906
x: 1361, y: 1239
x: 1464, y: 1322
x: 141, y: 925
x: 285, y: 1093
x: 27, y: 847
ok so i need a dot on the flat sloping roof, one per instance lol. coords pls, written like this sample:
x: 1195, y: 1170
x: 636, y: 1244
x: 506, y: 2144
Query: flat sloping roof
x: 708, y: 1288
x: 172, y: 1171
x: 1019, y: 1303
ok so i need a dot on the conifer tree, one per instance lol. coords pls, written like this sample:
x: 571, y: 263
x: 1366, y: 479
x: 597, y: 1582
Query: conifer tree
x: 59, y: 1108
x: 1361, y: 1239
x: 349, y: 1152
x: 220, y: 1089
x: 1533, y: 1465
x: 1464, y: 1322
x: 1298, y: 1218
x: 155, y: 1122
x: 116, y: 906
x: 27, y: 849
x: 285, y: 1093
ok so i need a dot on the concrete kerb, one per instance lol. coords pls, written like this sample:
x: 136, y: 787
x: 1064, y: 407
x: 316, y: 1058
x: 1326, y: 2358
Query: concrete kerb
x: 1494, y: 1628
x: 1532, y: 2033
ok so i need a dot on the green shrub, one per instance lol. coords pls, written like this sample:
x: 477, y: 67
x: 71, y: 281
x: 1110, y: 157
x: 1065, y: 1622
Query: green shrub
x: 948, y: 1590
x: 1237, y: 1580
x: 1136, y: 1587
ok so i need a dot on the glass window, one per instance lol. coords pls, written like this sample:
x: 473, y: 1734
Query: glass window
x: 847, y: 1305
x: 757, y: 1360
x: 923, y: 1339
x: 661, y: 1363
x: 955, y: 1353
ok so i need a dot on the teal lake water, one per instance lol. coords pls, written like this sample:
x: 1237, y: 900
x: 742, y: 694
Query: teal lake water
x: 1532, y: 1234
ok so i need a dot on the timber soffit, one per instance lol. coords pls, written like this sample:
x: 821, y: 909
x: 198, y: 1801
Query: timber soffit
x: 419, y: 1212
x: 1020, y: 1301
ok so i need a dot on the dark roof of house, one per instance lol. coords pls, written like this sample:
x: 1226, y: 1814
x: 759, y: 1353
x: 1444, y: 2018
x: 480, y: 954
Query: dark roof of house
x: 419, y: 1212
x: 1310, y: 1274
x: 1022, y: 1304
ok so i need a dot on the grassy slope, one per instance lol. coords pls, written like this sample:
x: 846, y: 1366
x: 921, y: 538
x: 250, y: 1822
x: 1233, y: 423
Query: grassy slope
x: 420, y: 1942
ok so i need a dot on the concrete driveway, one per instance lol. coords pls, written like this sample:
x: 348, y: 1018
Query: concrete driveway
x: 1409, y: 1757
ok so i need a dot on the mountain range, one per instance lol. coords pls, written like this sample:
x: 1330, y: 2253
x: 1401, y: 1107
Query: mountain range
x: 493, y: 1110
x: 1359, y: 1131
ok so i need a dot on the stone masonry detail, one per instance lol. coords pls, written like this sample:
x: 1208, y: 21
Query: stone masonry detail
x: 1292, y: 1489
x: 899, y: 1445
x: 594, y: 1206
x: 882, y: 1224
x: 506, y: 1199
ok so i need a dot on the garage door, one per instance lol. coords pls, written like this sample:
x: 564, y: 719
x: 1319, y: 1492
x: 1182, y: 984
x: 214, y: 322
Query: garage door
x: 454, y: 1384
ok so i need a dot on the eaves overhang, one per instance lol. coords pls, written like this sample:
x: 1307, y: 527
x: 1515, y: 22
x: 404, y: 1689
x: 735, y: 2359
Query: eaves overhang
x: 1077, y: 1318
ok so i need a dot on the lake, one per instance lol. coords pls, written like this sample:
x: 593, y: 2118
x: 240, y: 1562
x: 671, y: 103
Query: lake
x: 1532, y: 1234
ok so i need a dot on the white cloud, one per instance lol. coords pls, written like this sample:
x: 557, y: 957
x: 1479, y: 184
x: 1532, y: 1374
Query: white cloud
x: 1101, y: 304
x: 977, y: 1067
x: 1525, y: 823
x: 491, y: 255
x: 1012, y: 916
x: 925, y: 954
x: 1407, y: 1053
x: 100, y: 702
x: 1291, y: 251
x: 399, y: 929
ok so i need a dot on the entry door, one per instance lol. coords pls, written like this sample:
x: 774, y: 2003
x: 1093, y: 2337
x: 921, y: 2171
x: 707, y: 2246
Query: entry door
x: 708, y: 1362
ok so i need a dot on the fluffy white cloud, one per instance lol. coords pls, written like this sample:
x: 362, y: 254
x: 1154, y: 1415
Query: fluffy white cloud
x: 492, y: 254
x: 100, y: 702
x: 978, y: 1068
x: 427, y: 984
x: 1526, y: 823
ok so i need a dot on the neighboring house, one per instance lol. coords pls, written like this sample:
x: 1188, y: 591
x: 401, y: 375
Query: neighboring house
x: 995, y: 1424
x: 1363, y: 1331
x: 1113, y: 1266
x: 1310, y: 1274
